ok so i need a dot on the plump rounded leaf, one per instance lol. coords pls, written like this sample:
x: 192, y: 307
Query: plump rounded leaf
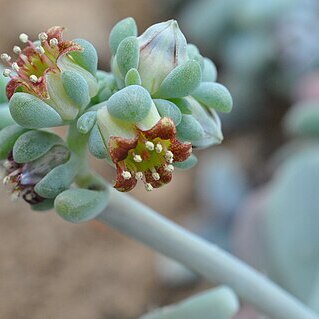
x: 189, y: 163
x: 33, y: 144
x: 87, y: 58
x: 86, y: 122
x: 57, y: 180
x: 127, y: 54
x: 193, y: 54
x: 8, y: 137
x: 131, y: 104
x: 182, y: 103
x: 181, y: 81
x: 80, y: 205
x: 96, y: 144
x: 76, y: 87
x: 123, y: 29
x: 46, y: 205
x: 214, y: 95
x: 168, y: 109
x: 209, y: 121
x: 217, y: 303
x: 31, y: 112
x: 303, y: 119
x: 290, y: 225
x: 5, y: 116
x: 132, y: 77
x: 209, y: 72
x: 189, y: 129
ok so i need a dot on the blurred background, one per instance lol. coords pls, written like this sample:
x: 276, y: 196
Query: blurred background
x: 256, y: 195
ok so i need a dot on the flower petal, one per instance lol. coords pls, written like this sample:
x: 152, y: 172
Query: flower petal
x: 165, y: 177
x: 55, y: 32
x: 180, y: 150
x: 164, y: 129
x: 119, y: 147
x: 124, y: 185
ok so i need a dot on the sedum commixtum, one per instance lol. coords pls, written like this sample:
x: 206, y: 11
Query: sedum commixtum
x: 145, y: 117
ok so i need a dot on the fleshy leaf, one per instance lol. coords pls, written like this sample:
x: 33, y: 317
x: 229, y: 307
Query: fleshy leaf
x: 182, y: 103
x: 80, y: 205
x: 214, y: 95
x: 86, y: 122
x: 8, y: 137
x: 76, y: 87
x: 209, y: 72
x: 123, y: 29
x: 87, y: 58
x: 127, y: 55
x: 57, y: 180
x: 189, y: 129
x: 33, y: 144
x: 168, y: 109
x: 96, y: 144
x: 132, y: 78
x: 131, y: 104
x: 181, y: 81
x: 31, y: 112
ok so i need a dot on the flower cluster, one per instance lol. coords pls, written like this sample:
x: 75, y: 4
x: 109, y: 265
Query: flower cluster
x: 162, y: 84
x: 145, y: 117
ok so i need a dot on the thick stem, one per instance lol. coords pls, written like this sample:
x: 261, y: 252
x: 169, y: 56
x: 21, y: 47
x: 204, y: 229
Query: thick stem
x: 142, y: 223
x: 78, y: 145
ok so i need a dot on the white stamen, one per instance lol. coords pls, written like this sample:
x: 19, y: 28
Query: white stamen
x: 29, y: 196
x: 33, y: 78
x: 23, y: 38
x: 40, y: 49
x: 158, y: 148
x: 54, y: 42
x: 43, y: 36
x: 139, y: 176
x: 148, y: 187
x: 6, y: 72
x: 149, y: 145
x: 156, y: 176
x: 5, y: 57
x: 15, y: 196
x: 137, y: 158
x: 15, y: 66
x: 126, y: 175
x: 6, y: 180
x: 169, y: 156
x: 169, y: 168
x: 17, y: 49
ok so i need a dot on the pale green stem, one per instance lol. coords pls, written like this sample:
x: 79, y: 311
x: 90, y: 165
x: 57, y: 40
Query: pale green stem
x: 142, y: 223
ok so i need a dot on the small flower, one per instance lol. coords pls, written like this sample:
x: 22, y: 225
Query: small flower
x: 162, y: 48
x: 158, y: 60
x: 35, y: 61
x: 39, y: 68
x: 142, y: 154
x: 22, y: 178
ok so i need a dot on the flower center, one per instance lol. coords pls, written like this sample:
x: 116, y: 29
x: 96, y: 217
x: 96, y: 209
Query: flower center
x: 147, y: 160
x: 34, y: 59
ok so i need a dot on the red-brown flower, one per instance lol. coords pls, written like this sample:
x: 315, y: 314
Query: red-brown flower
x: 36, y: 60
x: 147, y: 157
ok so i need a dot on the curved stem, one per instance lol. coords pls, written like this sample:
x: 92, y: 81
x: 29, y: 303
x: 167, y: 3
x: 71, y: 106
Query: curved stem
x: 142, y: 223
